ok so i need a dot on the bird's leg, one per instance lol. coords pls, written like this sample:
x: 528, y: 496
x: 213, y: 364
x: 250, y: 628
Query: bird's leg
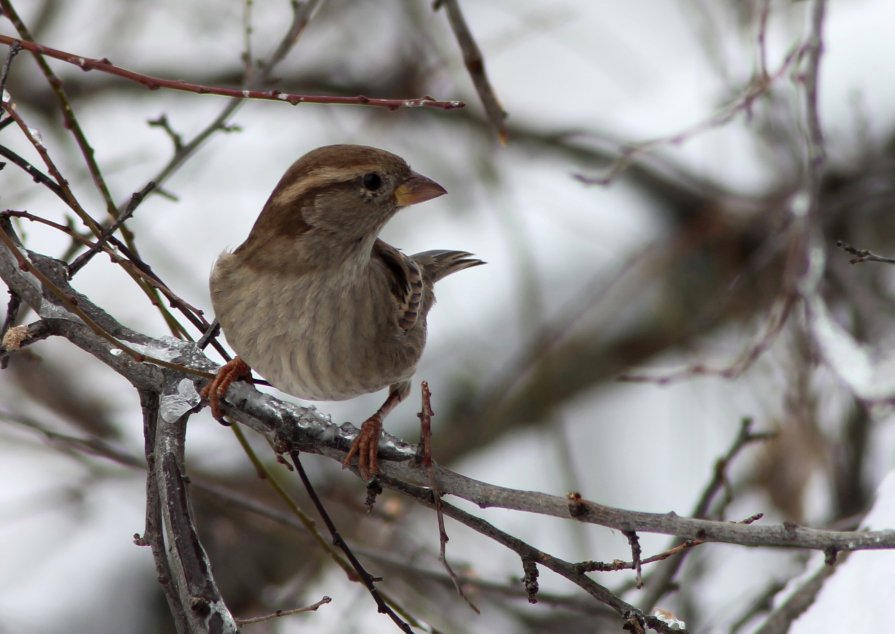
x: 234, y: 370
x: 366, y: 444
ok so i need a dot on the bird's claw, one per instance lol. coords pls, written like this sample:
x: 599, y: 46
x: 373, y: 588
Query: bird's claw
x: 366, y: 448
x: 234, y: 370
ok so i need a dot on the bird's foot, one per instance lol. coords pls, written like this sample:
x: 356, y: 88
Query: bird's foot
x: 234, y: 370
x: 366, y: 447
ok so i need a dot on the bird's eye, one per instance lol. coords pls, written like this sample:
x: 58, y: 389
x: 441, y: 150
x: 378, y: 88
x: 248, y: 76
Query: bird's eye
x: 372, y: 181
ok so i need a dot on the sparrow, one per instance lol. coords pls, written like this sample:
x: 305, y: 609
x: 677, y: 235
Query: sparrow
x: 316, y: 303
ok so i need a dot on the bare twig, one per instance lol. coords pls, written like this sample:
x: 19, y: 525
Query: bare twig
x: 132, y: 264
x: 528, y: 553
x: 475, y: 65
x: 4, y: 74
x: 733, y: 370
x: 68, y: 114
x: 108, y: 232
x: 636, y: 563
x: 425, y: 417
x: 68, y: 196
x: 280, y: 613
x: 366, y: 578
x: 659, y: 581
x: 757, y: 87
x: 863, y: 255
x: 36, y: 175
x: 71, y: 303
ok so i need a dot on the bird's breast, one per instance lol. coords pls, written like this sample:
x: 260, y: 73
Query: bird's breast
x: 325, y: 336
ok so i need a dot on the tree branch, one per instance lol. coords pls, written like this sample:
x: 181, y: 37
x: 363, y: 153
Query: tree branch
x: 154, y: 83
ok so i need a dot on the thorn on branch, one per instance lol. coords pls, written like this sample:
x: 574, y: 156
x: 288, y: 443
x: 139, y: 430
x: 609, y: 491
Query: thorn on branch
x: 424, y: 452
x: 424, y: 455
x: 374, y: 490
x: 634, y: 623
x: 636, y: 553
x: 577, y: 507
x: 752, y: 518
x: 830, y: 555
x: 530, y: 580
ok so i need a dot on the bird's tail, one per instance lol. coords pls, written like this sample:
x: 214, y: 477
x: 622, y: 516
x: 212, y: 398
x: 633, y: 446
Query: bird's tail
x: 439, y: 264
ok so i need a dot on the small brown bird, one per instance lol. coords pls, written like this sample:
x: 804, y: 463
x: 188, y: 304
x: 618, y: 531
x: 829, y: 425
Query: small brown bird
x: 316, y: 303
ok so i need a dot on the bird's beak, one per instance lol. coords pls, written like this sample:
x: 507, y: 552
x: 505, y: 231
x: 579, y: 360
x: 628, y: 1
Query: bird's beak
x: 417, y: 189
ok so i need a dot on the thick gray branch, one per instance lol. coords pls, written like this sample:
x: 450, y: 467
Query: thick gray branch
x: 193, y: 594
x: 305, y: 429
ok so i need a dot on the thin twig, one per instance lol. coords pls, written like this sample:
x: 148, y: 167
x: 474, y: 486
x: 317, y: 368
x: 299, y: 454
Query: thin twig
x: 65, y: 107
x: 863, y: 255
x: 660, y: 580
x: 36, y: 175
x: 133, y: 265
x: 366, y: 578
x: 529, y: 553
x: 735, y: 369
x: 280, y: 613
x: 108, y: 232
x: 155, y: 83
x: 68, y: 196
x: 71, y: 304
x: 4, y: 74
x: 425, y: 417
x: 636, y: 562
x: 629, y: 153
x: 475, y: 65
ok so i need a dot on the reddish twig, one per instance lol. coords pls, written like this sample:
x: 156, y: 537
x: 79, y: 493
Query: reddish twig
x: 134, y: 266
x: 425, y: 417
x: 71, y: 304
x: 154, y: 83
x: 65, y: 108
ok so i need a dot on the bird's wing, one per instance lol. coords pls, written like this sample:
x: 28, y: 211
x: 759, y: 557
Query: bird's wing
x: 405, y: 279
